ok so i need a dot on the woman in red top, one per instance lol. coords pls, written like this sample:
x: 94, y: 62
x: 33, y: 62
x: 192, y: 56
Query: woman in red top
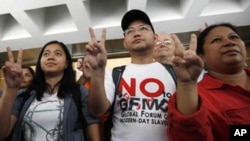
x: 205, y: 111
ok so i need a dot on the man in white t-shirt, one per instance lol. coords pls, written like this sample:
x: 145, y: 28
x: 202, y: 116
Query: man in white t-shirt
x: 140, y: 111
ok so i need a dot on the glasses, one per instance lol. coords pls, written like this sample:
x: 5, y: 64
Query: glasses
x: 141, y: 28
x: 163, y: 43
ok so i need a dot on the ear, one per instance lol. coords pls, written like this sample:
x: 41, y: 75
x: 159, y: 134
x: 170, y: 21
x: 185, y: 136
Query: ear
x: 66, y: 65
x: 203, y: 57
x: 155, y: 37
x: 124, y: 44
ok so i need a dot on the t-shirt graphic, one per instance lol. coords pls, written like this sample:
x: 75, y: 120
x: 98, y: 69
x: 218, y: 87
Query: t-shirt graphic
x: 43, y: 120
x: 140, y: 111
x: 150, y: 108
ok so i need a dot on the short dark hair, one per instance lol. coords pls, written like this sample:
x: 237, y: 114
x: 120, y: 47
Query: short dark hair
x: 206, y: 31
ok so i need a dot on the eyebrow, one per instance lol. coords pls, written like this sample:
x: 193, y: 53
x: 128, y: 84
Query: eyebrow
x: 53, y: 50
x: 137, y: 26
x: 167, y: 40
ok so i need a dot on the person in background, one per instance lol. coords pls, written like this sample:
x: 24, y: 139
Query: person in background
x: 45, y: 110
x: 79, y: 64
x: 28, y: 75
x: 206, y: 25
x: 205, y: 111
x: 164, y: 49
x: 82, y: 65
x: 140, y: 109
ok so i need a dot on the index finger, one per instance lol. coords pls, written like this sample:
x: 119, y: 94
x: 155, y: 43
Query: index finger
x: 10, y: 54
x: 179, y: 49
x: 92, y: 34
x: 20, y: 56
x: 193, y: 43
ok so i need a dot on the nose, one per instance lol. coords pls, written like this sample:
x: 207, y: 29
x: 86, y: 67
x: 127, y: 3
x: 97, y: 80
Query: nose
x: 51, y: 56
x: 137, y: 32
x: 228, y: 42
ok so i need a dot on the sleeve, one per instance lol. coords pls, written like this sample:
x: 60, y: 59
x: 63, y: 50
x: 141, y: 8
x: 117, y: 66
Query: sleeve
x: 188, y: 127
x: 109, y: 86
x: 89, y: 118
x: 18, y: 103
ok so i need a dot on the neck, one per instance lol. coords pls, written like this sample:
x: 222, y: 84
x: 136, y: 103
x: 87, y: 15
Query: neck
x: 165, y: 59
x: 241, y: 78
x: 53, y: 83
x: 142, y: 57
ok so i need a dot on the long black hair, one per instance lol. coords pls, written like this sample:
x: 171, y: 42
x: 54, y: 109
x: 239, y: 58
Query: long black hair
x: 206, y: 31
x: 66, y: 85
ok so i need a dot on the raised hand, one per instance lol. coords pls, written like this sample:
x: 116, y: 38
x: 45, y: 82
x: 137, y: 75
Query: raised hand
x: 187, y: 64
x: 206, y: 25
x: 97, y: 54
x: 13, y: 70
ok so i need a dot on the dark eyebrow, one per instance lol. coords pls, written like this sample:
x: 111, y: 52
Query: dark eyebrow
x: 137, y: 26
x: 58, y: 50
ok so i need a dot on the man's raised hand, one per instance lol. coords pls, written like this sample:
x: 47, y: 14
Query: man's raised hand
x: 97, y: 53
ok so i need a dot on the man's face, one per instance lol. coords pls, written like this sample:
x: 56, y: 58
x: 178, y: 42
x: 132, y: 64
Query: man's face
x: 139, y: 36
x: 164, y: 46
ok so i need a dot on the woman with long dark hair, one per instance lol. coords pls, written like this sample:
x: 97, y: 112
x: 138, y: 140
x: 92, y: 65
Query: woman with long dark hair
x: 53, y: 107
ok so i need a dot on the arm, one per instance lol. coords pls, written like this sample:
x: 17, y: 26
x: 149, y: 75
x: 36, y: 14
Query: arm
x: 187, y: 114
x: 81, y: 80
x: 191, y: 127
x: 7, y: 121
x: 187, y: 66
x: 93, y: 132
x: 97, y: 59
x: 13, y: 77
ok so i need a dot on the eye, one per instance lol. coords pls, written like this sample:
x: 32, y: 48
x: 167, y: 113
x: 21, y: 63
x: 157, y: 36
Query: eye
x: 158, y: 43
x: 233, y: 37
x: 129, y: 31
x: 216, y: 40
x: 167, y: 43
x: 144, y: 28
x: 58, y: 53
x: 45, y: 54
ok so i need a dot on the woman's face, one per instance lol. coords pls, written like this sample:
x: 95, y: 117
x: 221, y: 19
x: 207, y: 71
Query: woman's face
x: 223, y: 48
x: 53, y: 60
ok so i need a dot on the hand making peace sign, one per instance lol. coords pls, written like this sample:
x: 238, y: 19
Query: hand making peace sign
x: 187, y: 64
x: 97, y: 54
x: 13, y: 70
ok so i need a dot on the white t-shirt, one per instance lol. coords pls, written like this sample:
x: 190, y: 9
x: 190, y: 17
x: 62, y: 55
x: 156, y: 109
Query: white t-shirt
x: 43, y: 120
x: 201, y: 75
x: 140, y: 112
